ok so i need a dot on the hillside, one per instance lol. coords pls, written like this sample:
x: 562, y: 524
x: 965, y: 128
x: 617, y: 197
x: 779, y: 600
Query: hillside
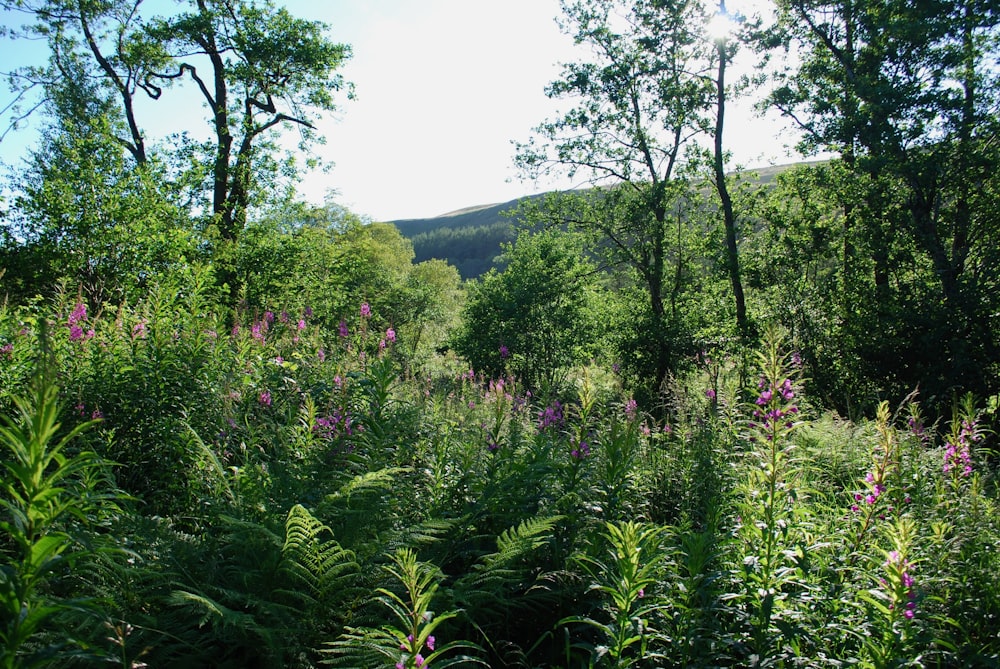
x: 471, y: 238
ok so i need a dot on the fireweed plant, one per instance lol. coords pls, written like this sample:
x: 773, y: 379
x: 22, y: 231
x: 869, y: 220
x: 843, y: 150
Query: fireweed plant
x: 278, y: 469
x: 766, y: 510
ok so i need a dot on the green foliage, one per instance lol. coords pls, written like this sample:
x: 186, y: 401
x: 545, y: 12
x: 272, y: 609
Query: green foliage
x: 537, y: 317
x: 633, y: 565
x: 412, y: 632
x: 52, y: 493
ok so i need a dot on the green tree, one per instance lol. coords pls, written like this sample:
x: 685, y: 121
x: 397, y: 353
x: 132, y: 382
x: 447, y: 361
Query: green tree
x: 538, y: 316
x: 647, y: 93
x: 85, y: 213
x: 258, y: 69
x: 907, y: 95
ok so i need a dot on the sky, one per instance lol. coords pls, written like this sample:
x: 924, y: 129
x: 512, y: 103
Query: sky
x: 443, y: 88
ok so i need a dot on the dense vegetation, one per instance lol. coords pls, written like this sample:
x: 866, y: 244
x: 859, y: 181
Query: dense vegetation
x: 690, y: 419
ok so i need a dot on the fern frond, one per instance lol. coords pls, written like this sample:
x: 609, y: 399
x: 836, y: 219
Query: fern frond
x: 382, y: 479
x: 210, y: 611
x: 324, y: 566
x: 497, y: 574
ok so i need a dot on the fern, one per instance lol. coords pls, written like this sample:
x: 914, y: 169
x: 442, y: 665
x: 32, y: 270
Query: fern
x: 488, y: 585
x: 382, y: 479
x: 324, y: 566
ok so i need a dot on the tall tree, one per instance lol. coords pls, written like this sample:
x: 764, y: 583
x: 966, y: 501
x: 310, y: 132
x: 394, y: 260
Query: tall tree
x: 906, y: 93
x: 647, y: 91
x: 258, y: 68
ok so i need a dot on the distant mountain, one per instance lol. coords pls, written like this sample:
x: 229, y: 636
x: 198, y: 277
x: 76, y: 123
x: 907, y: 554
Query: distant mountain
x: 471, y: 238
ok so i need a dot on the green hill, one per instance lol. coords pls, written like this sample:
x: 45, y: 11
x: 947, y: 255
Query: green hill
x: 471, y: 238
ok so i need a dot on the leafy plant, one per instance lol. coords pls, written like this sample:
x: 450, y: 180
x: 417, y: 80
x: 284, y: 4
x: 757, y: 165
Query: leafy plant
x: 50, y: 496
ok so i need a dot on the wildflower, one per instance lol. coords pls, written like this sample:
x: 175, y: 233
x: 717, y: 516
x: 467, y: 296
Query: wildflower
x: 96, y: 414
x: 265, y: 399
x: 79, y: 314
x: 342, y: 329
x: 283, y: 317
x: 550, y: 416
x: 582, y: 451
x: 75, y: 333
x: 302, y: 324
x: 504, y: 352
x: 257, y: 330
x: 235, y: 331
x: 710, y: 394
x: 390, y: 335
x: 430, y: 643
x: 418, y: 660
x: 903, y: 583
x: 381, y: 345
x: 139, y: 330
x: 321, y: 354
x: 308, y: 312
x: 631, y: 407
x: 7, y: 349
x: 366, y: 311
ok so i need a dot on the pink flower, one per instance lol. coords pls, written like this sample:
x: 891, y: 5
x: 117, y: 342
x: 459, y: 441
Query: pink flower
x: 390, y: 335
x: 366, y: 310
x: 265, y: 399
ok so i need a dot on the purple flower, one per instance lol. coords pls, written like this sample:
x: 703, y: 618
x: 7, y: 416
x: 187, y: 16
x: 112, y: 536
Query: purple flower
x: 302, y: 324
x: 75, y: 333
x: 342, y: 329
x: 269, y: 317
x: 550, y: 416
x: 79, y: 314
x: 390, y: 335
x: 504, y: 352
x: 139, y: 330
x: 430, y: 642
x: 265, y: 399
x: 631, y: 407
x: 321, y: 354
x: 710, y: 394
x: 308, y: 312
x: 7, y: 349
x: 366, y: 310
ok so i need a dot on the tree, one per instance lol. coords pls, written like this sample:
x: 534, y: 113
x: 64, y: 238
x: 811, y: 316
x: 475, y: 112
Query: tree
x: 258, y: 69
x: 535, y: 318
x: 647, y: 94
x: 906, y: 93
x: 82, y: 212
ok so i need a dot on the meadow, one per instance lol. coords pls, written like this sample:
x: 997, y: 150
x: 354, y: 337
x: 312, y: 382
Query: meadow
x: 183, y: 491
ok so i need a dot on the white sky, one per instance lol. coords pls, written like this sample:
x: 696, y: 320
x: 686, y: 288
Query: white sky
x: 443, y: 88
